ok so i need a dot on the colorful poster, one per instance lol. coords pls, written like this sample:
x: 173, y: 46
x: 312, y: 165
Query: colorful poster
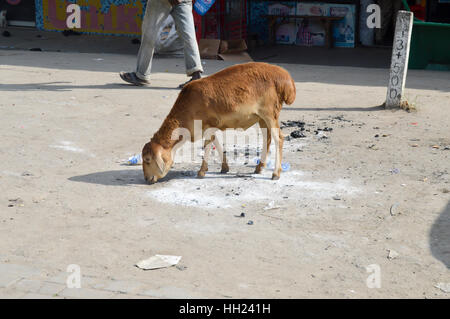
x: 117, y: 17
x: 344, y: 29
x: 312, y: 33
x: 285, y: 32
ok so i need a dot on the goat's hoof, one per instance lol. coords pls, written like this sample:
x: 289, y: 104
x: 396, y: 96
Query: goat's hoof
x: 200, y: 174
x: 259, y: 168
x: 224, y: 170
x: 275, y: 177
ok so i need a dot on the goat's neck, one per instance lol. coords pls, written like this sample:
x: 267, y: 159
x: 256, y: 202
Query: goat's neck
x: 164, y: 134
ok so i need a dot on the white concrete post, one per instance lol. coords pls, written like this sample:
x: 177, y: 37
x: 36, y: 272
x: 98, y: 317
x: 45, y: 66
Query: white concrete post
x: 400, y: 57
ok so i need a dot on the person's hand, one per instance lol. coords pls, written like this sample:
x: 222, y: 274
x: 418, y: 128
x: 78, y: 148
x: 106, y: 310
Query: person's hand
x: 175, y: 2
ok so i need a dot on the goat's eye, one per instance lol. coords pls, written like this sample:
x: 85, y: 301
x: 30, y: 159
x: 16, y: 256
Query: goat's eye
x: 147, y: 160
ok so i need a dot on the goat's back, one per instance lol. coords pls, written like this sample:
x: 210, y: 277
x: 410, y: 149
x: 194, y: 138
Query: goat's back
x: 242, y: 84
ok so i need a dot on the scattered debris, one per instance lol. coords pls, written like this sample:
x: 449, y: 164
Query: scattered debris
x: 240, y: 216
x: 26, y: 173
x: 297, y: 134
x: 285, y: 167
x: 181, y: 267
x: 289, y: 123
x: 271, y: 165
x: 6, y: 34
x: 445, y: 287
x: 70, y: 32
x: 15, y: 202
x: 250, y: 222
x: 35, y: 49
x: 394, y: 171
x: 326, y: 129
x: 336, y: 197
x: 392, y: 254
x: 271, y: 205
x: 435, y: 146
x: 394, y: 209
x: 158, y: 261
x: 445, y: 190
x: 340, y: 118
x: 321, y: 135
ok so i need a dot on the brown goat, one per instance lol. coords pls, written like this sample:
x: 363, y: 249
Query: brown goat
x: 236, y: 97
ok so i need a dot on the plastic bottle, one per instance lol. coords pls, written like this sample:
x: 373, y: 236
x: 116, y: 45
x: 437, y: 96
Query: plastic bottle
x: 135, y: 160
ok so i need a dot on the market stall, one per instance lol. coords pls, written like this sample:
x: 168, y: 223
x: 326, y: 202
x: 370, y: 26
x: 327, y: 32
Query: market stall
x: 304, y: 23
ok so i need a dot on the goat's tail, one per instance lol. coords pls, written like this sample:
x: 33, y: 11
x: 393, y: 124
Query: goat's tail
x: 286, y: 88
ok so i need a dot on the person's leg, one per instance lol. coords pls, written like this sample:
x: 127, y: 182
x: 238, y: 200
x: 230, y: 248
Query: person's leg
x: 155, y: 14
x: 184, y: 22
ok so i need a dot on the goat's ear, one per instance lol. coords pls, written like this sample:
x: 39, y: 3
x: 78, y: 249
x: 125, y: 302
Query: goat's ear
x: 160, y: 162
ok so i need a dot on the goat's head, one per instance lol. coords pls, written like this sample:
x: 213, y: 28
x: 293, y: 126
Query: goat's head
x: 156, y: 161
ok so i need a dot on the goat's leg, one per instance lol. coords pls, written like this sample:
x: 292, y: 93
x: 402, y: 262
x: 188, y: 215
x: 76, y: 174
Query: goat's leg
x: 204, y: 168
x: 267, y: 139
x: 279, y: 139
x: 225, y: 167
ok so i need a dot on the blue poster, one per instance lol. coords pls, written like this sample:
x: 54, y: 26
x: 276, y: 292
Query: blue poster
x: 202, y: 6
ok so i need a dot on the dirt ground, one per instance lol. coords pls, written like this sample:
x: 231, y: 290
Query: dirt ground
x: 377, y: 183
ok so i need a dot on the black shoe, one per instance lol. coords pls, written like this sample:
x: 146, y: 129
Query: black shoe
x: 195, y: 76
x: 132, y: 78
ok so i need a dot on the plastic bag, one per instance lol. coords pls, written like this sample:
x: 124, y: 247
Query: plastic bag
x: 168, y: 41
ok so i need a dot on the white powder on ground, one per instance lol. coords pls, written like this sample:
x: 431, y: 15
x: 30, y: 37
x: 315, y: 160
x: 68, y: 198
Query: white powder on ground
x: 231, y: 191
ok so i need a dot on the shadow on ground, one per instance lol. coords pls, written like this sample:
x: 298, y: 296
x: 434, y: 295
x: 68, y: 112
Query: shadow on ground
x: 440, y: 237
x: 369, y: 66
x: 112, y: 178
x: 68, y: 86
x: 133, y: 176
x: 339, y: 109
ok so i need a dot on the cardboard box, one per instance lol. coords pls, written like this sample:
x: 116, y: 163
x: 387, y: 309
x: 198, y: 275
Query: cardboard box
x: 231, y: 50
x: 209, y: 48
